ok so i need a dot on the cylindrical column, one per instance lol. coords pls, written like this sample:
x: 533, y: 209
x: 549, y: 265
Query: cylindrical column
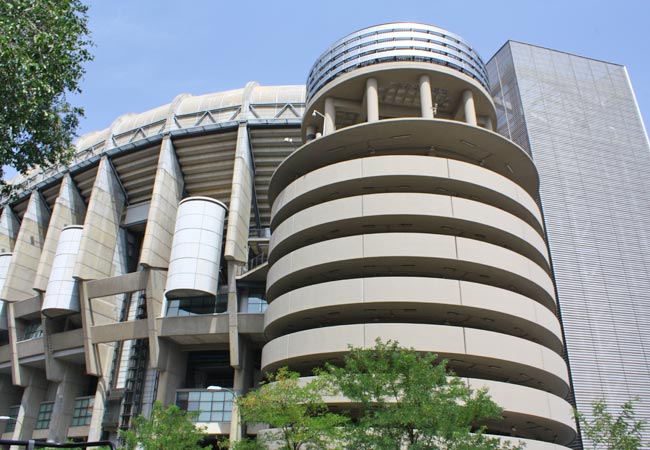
x: 311, y: 133
x: 372, y: 100
x: 426, y: 100
x: 329, y: 124
x: 488, y: 123
x: 62, y: 295
x: 5, y: 259
x: 468, y: 107
x: 196, y: 248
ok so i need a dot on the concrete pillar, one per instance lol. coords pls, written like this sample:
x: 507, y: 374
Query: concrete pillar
x: 67, y: 391
x: 372, y: 100
x: 310, y: 134
x: 468, y: 107
x: 99, y: 407
x: 167, y: 193
x: 69, y: 209
x: 426, y: 100
x: 9, y: 226
x: 27, y: 251
x: 95, y: 259
x: 241, y: 199
x: 10, y: 395
x: 329, y: 122
x: 33, y: 395
x: 172, y: 377
x: 488, y: 123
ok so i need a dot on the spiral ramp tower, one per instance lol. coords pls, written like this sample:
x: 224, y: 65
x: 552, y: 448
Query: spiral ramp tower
x: 404, y: 216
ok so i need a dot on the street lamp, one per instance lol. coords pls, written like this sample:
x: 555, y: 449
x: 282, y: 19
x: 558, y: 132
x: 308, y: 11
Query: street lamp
x: 235, y: 423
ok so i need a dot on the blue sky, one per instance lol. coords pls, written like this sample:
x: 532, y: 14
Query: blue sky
x: 147, y: 52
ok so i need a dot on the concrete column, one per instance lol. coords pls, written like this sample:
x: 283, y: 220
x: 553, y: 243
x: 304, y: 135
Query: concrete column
x: 372, y: 100
x: 329, y: 122
x: 172, y: 376
x: 99, y: 407
x: 27, y: 251
x: 468, y: 107
x: 241, y: 199
x: 67, y: 391
x: 233, y: 314
x: 69, y: 209
x: 426, y: 100
x: 310, y: 133
x: 33, y: 395
x: 9, y: 226
x: 95, y: 259
x: 10, y: 395
x: 167, y: 193
x: 155, y: 303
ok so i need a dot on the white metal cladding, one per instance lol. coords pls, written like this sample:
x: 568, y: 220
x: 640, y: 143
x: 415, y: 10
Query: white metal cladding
x: 196, y: 248
x: 395, y: 42
x: 62, y: 296
x: 5, y: 260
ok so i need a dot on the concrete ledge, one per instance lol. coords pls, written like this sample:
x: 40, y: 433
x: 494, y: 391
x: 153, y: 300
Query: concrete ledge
x: 120, y: 331
x: 28, y: 307
x: 130, y: 282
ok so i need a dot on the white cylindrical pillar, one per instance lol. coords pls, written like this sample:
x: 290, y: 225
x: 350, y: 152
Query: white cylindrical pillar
x: 5, y: 260
x: 329, y: 122
x: 426, y: 100
x: 468, y: 107
x: 372, y: 100
x: 62, y: 295
x: 196, y: 248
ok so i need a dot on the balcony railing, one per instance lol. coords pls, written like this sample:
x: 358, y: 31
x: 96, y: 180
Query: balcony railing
x: 210, y: 406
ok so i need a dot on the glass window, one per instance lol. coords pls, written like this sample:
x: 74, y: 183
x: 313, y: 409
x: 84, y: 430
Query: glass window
x: 83, y: 411
x: 33, y: 330
x: 256, y: 301
x: 211, y: 406
x: 13, y: 416
x: 194, y: 306
x: 44, y: 416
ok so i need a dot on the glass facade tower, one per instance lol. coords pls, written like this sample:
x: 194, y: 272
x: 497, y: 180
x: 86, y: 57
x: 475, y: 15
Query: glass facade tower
x: 579, y: 120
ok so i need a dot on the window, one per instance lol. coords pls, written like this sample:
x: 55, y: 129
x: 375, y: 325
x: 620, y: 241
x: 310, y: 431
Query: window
x: 83, y: 411
x: 13, y: 416
x: 194, y: 306
x: 256, y: 301
x: 33, y: 330
x: 44, y: 416
x: 211, y: 406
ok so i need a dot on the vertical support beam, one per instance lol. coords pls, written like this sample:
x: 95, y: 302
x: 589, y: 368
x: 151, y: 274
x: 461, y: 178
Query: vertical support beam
x: 155, y: 303
x: 310, y: 133
x: 372, y: 100
x: 469, y: 110
x: 16, y: 331
x: 239, y: 209
x: 27, y: 251
x: 233, y: 314
x: 9, y: 396
x: 167, y: 193
x: 173, y: 374
x: 99, y: 407
x: 329, y: 121
x: 33, y: 395
x: 9, y: 226
x: 95, y: 259
x: 426, y: 100
x: 488, y: 123
x: 69, y: 209
x: 70, y: 387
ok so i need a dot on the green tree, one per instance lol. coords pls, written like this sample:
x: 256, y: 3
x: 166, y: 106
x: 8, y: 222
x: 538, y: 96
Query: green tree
x: 606, y: 431
x: 168, y: 428
x: 43, y: 46
x: 409, y: 400
x: 295, y: 410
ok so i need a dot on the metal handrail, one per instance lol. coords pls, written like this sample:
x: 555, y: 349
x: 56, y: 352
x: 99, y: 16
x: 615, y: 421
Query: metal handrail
x: 32, y: 444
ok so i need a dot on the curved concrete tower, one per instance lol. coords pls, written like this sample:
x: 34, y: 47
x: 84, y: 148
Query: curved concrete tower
x: 404, y: 216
